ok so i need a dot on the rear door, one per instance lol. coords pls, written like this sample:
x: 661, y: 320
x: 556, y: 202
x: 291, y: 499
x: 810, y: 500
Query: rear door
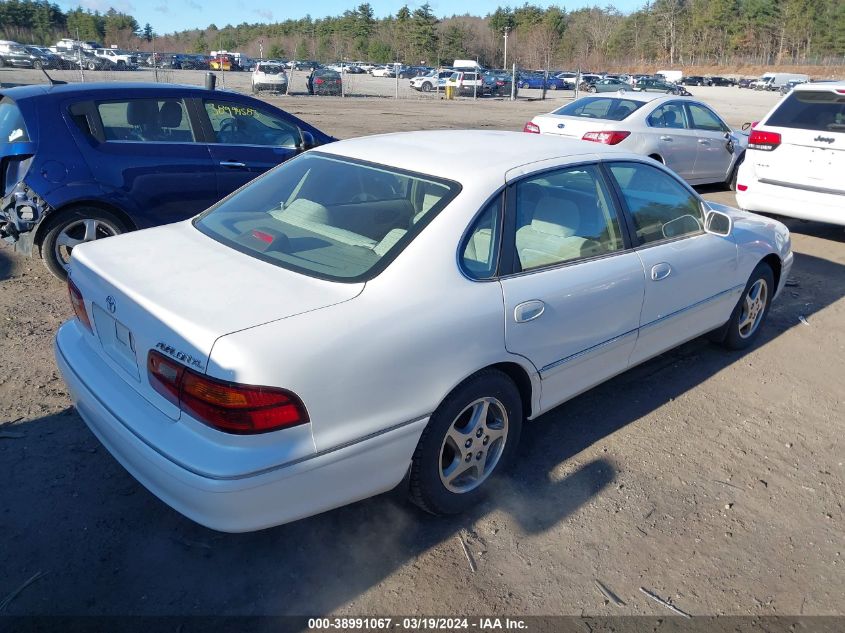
x: 245, y: 140
x: 811, y: 154
x: 573, y: 298
x: 145, y: 153
x: 677, y: 143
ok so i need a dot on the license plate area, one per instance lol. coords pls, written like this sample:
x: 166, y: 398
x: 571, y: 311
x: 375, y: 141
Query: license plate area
x: 117, y: 341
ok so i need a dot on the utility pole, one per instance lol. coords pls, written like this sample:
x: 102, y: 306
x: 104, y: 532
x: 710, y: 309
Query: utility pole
x: 505, y: 62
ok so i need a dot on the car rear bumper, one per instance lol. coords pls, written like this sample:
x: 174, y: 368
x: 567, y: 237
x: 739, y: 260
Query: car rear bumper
x: 793, y: 202
x: 292, y: 491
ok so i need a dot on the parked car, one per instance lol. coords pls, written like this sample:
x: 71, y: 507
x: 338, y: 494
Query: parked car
x: 467, y: 83
x: 796, y: 156
x: 224, y: 62
x: 181, y: 61
x: 73, y: 59
x: 606, y: 85
x: 85, y: 161
x: 498, y: 83
x: 722, y: 81
x: 381, y: 71
x: 695, y: 80
x: 744, y: 83
x: 535, y: 80
x: 16, y: 55
x: 789, y: 85
x: 269, y: 76
x: 50, y: 59
x: 173, y: 358
x: 684, y: 134
x: 436, y: 79
x: 123, y: 60
x: 658, y: 85
x: 323, y: 81
x: 569, y: 79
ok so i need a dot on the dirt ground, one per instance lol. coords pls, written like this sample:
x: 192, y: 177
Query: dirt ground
x: 714, y: 479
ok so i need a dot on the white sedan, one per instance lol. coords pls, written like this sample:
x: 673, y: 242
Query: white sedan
x: 391, y: 307
x: 684, y: 134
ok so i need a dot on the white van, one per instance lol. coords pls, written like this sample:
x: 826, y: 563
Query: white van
x: 671, y: 75
x: 775, y: 81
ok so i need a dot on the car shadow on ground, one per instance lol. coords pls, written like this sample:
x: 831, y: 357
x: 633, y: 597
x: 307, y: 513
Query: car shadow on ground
x: 6, y: 263
x: 109, y: 547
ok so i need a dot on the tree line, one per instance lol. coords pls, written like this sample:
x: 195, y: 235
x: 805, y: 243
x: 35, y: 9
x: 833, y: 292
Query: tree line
x: 675, y: 32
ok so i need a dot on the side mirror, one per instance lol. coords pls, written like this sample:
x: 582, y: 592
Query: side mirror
x: 718, y: 223
x: 307, y: 141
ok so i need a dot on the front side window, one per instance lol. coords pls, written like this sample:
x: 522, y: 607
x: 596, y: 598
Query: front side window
x: 236, y: 123
x: 156, y: 120
x: 328, y: 217
x: 661, y: 207
x: 704, y: 119
x: 564, y: 215
x: 669, y: 115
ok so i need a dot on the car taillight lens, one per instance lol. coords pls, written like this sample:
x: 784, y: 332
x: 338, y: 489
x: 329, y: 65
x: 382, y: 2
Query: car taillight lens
x: 765, y: 141
x: 742, y: 187
x: 532, y: 128
x: 318, y: 81
x: 78, y: 305
x: 607, y: 138
x: 223, y: 405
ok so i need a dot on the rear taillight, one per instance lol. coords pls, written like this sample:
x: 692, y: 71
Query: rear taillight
x: 318, y: 81
x: 607, y: 138
x: 765, y: 141
x: 742, y: 187
x: 226, y: 406
x: 78, y: 304
x: 531, y: 128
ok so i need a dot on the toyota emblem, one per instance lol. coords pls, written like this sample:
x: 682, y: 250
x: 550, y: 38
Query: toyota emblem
x: 111, y: 304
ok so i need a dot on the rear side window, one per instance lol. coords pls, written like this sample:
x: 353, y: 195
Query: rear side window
x: 608, y: 108
x: 328, y: 217
x: 12, y: 126
x: 481, y: 248
x: 146, y: 120
x: 822, y: 111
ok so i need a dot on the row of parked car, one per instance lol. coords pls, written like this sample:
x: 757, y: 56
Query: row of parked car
x: 15, y: 55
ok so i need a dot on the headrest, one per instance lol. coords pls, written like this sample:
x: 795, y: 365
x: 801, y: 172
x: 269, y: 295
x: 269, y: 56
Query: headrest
x: 170, y: 114
x: 142, y: 112
x: 555, y: 216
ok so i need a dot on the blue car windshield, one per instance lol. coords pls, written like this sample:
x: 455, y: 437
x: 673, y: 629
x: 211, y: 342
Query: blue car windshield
x: 12, y: 126
x: 328, y: 217
x: 607, y: 108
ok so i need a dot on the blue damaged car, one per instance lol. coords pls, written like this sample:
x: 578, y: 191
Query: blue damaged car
x: 80, y: 162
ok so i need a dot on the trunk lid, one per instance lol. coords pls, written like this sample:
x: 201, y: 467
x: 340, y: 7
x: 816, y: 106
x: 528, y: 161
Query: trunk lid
x: 177, y: 291
x: 573, y: 126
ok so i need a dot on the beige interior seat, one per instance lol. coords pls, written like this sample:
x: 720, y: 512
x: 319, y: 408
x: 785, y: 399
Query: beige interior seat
x: 551, y: 236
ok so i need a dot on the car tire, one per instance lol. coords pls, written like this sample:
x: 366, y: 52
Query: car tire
x: 37, y: 65
x: 426, y: 87
x: 92, y: 66
x: 455, y: 432
x: 751, y: 310
x: 121, y: 65
x: 2, y: 62
x: 592, y: 89
x: 552, y: 86
x: 732, y: 180
x: 80, y: 224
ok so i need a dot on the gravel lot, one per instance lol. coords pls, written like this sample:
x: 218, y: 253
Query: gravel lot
x: 713, y: 479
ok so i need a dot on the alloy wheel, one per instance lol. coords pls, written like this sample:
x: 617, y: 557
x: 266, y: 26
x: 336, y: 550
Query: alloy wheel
x: 753, y: 308
x: 79, y: 232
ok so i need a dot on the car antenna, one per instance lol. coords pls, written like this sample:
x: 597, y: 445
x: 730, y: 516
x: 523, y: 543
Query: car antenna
x: 53, y: 82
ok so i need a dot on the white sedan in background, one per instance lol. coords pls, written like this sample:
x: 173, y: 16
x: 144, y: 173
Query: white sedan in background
x: 684, y: 134
x: 395, y: 306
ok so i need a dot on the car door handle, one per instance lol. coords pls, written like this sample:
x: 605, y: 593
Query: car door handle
x: 233, y: 164
x: 528, y: 311
x: 665, y: 138
x: 660, y: 271
x: 703, y: 141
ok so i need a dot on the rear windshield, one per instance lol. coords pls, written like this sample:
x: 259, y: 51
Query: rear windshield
x: 12, y: 126
x: 328, y: 217
x: 269, y: 69
x: 608, y: 108
x: 822, y: 111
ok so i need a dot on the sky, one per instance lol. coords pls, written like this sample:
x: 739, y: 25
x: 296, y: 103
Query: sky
x: 167, y: 16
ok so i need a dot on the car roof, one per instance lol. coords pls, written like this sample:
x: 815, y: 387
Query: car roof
x: 97, y: 90
x: 464, y: 155
x: 837, y: 85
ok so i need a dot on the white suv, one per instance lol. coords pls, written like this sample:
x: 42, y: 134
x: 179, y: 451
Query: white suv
x: 121, y: 59
x: 795, y: 160
x: 269, y: 76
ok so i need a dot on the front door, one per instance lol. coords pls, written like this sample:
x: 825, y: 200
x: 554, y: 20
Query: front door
x: 572, y: 304
x: 715, y: 151
x: 691, y: 283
